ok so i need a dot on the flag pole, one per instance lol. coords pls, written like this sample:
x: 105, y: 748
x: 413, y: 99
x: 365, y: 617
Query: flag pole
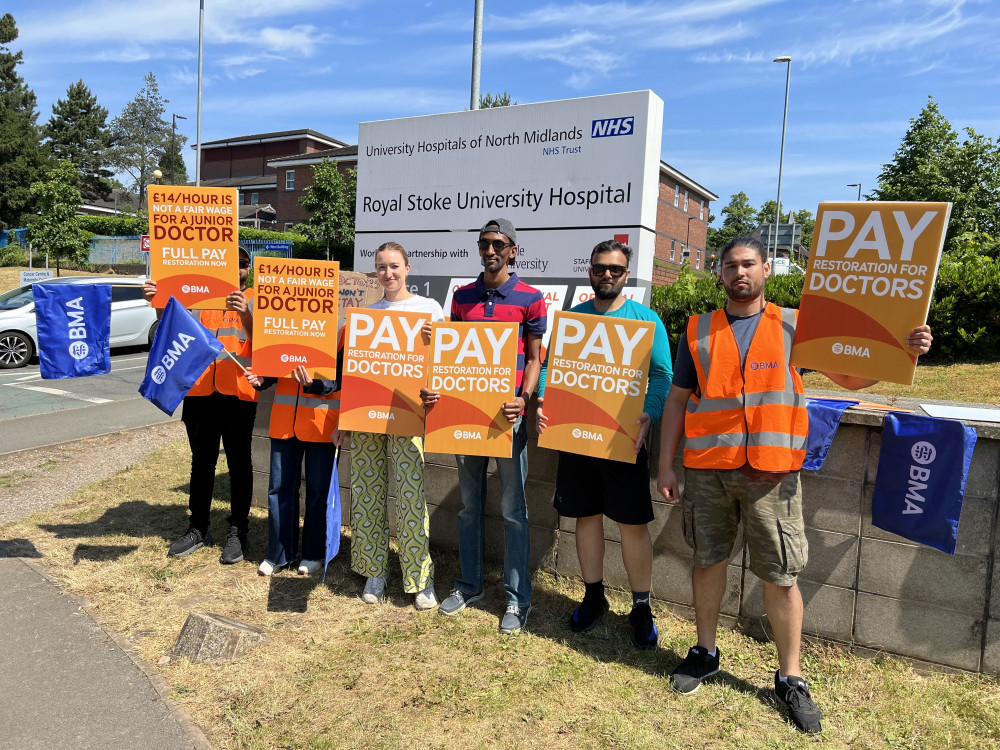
x: 238, y: 363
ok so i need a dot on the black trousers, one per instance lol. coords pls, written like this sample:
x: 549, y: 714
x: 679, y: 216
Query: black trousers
x: 208, y: 420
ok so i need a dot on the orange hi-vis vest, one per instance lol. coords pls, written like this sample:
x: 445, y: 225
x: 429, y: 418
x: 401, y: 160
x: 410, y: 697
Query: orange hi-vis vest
x: 753, y: 413
x: 224, y: 375
x: 302, y: 415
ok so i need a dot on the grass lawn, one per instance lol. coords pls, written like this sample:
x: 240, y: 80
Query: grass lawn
x: 974, y: 382
x: 10, y: 277
x: 336, y: 673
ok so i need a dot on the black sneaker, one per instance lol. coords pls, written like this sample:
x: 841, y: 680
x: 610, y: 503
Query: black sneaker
x: 697, y: 665
x: 794, y: 695
x: 236, y: 545
x: 192, y: 540
x: 585, y: 617
x: 644, y: 633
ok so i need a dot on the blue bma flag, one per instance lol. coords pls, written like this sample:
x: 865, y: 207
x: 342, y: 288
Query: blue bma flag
x: 824, y: 419
x: 74, y: 329
x: 181, y: 350
x: 922, y: 469
x: 333, y: 515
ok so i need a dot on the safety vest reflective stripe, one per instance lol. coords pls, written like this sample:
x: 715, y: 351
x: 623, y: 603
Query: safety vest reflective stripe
x: 224, y: 375
x: 305, y: 416
x: 752, y: 412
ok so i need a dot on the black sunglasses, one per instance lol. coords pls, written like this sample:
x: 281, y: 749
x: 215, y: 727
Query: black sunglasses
x: 244, y: 263
x: 598, y: 269
x: 498, y: 245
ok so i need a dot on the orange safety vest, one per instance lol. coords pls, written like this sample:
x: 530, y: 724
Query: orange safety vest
x: 745, y: 414
x: 303, y: 415
x: 224, y: 375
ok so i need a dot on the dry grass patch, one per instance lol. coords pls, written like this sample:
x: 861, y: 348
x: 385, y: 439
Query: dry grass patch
x: 976, y: 383
x: 336, y: 673
x: 10, y: 277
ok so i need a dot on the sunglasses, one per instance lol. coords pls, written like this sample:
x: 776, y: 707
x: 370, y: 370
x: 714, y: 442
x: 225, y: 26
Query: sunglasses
x: 244, y: 263
x: 617, y: 272
x: 498, y: 245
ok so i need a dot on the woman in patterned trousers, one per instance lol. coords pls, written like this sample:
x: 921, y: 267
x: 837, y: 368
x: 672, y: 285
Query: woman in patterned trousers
x: 370, y: 455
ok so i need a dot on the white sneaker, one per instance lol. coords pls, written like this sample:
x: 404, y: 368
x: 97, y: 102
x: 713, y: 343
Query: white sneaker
x: 374, y: 590
x: 308, y: 567
x: 426, y: 599
x: 268, y: 568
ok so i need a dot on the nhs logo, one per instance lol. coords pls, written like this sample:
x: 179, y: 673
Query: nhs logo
x: 612, y: 126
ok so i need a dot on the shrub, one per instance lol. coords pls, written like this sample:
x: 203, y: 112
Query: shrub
x: 965, y: 312
x: 13, y: 256
x: 122, y: 225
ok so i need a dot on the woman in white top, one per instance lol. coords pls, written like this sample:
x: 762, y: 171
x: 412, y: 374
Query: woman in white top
x: 370, y: 453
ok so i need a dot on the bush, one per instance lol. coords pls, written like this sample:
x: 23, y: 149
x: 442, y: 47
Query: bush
x: 303, y: 247
x: 122, y: 225
x: 965, y: 313
x: 13, y: 256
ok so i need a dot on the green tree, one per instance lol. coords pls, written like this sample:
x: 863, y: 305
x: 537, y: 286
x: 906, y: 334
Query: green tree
x: 55, y: 229
x: 174, y: 173
x: 78, y: 131
x: 330, y: 201
x: 488, y: 101
x: 21, y: 158
x: 740, y: 219
x: 140, y: 136
x: 931, y: 164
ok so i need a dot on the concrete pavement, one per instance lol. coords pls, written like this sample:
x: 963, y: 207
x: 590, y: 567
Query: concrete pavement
x: 67, y: 683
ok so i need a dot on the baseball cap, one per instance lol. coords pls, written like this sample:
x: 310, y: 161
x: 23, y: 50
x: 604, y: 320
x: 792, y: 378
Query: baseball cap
x: 500, y: 225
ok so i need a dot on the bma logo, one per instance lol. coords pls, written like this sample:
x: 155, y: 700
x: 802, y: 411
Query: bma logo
x: 764, y: 365
x: 159, y: 374
x: 851, y: 351
x: 612, y: 126
x: 467, y: 435
x: 587, y: 435
x: 923, y: 452
x: 293, y: 358
x: 79, y: 350
x: 195, y: 289
x: 376, y: 414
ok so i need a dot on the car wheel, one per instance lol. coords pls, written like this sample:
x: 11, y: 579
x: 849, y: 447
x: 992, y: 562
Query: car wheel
x: 152, y: 331
x: 15, y: 350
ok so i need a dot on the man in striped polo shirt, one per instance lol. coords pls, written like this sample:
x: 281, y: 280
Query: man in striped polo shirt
x: 498, y: 295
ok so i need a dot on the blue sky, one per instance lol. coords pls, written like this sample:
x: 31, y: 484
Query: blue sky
x: 860, y: 70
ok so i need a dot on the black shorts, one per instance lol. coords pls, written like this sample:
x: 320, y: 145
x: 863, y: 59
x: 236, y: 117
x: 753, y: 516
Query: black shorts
x: 587, y: 486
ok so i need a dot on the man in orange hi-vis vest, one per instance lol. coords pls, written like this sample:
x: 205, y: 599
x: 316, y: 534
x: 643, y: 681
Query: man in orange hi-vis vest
x: 741, y: 408
x: 221, y: 405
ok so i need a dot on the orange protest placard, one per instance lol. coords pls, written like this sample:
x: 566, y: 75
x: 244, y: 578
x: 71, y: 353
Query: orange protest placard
x: 473, y: 367
x: 595, y: 385
x: 193, y: 245
x: 385, y: 366
x: 295, y: 316
x: 869, y: 283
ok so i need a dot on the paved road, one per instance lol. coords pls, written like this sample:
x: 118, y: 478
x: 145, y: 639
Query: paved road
x: 36, y: 412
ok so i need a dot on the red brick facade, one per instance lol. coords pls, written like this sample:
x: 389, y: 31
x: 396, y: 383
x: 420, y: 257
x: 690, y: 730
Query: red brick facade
x: 680, y: 232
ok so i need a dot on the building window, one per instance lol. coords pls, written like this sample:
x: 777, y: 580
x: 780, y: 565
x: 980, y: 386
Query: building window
x: 673, y: 249
x: 701, y: 214
x: 685, y: 201
x: 677, y: 194
x: 290, y: 179
x: 289, y: 225
x: 699, y: 260
x: 685, y: 252
x: 253, y: 199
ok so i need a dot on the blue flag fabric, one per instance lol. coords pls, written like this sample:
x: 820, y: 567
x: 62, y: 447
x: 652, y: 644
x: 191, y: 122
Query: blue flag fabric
x: 824, y: 418
x: 74, y: 329
x: 922, y: 470
x: 333, y: 515
x: 181, y: 350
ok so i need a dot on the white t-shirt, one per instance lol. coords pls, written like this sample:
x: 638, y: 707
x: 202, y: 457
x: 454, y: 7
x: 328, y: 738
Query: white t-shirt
x: 412, y: 304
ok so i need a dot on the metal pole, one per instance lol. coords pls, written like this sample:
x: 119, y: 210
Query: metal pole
x: 173, y: 149
x: 858, y: 186
x: 201, y: 47
x: 477, y: 50
x: 781, y: 160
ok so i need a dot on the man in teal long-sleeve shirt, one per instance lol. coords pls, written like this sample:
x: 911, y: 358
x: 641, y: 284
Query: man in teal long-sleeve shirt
x: 588, y: 488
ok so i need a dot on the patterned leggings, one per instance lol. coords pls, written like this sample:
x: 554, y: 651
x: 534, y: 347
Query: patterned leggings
x: 369, y: 509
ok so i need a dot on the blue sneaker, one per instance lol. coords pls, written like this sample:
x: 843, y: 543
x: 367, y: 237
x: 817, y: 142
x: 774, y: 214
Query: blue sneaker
x: 645, y: 636
x: 585, y: 617
x: 457, y: 601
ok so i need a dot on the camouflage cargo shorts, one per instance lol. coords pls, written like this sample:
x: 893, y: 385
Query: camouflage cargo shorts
x: 770, y: 506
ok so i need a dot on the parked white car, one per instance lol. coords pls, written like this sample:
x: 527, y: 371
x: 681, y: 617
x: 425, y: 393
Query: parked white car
x: 133, y: 321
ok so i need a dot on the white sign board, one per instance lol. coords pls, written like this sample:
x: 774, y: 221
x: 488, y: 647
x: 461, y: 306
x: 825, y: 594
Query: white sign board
x: 30, y: 277
x: 567, y: 174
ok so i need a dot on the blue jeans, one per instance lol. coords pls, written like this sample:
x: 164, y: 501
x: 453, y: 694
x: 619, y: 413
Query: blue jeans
x: 472, y: 520
x: 283, y: 500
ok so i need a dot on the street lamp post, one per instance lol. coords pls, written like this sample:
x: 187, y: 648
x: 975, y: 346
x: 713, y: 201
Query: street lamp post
x: 173, y: 147
x: 781, y: 159
x: 858, y: 186
x: 477, y: 50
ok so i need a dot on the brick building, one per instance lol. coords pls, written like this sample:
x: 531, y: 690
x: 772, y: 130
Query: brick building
x: 243, y: 163
x: 295, y: 174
